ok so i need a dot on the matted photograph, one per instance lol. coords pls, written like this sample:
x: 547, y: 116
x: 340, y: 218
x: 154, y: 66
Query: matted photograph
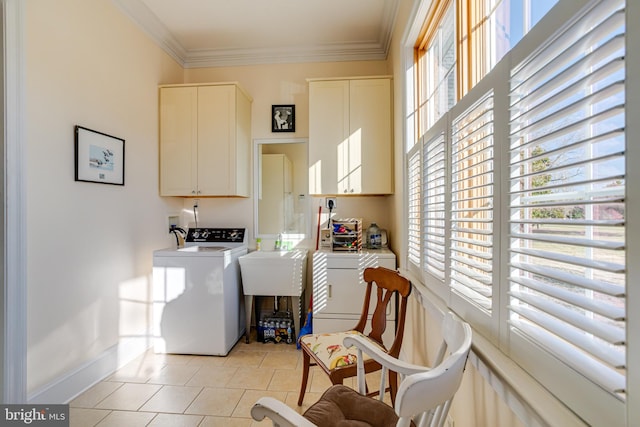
x: 99, y: 157
x: 283, y: 118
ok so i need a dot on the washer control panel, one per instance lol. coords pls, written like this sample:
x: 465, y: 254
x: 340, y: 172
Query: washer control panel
x: 215, y: 235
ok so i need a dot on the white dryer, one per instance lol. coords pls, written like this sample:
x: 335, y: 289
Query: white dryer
x: 197, y: 293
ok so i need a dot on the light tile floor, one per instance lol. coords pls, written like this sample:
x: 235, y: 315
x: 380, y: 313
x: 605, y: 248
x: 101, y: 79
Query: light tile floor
x: 205, y: 391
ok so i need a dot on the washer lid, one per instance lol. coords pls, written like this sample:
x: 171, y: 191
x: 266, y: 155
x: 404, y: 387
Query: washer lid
x: 204, y: 249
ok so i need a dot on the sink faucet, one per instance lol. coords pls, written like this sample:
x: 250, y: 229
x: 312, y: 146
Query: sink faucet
x: 180, y: 234
x: 281, y: 244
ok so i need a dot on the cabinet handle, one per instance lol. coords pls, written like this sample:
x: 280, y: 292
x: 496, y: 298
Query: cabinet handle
x: 193, y: 191
x: 329, y: 292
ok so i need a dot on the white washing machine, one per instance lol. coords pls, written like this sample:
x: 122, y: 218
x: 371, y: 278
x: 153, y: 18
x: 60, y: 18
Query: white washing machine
x: 197, y: 293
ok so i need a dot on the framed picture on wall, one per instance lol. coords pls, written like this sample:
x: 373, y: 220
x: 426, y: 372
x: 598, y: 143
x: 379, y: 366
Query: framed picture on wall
x: 99, y: 157
x: 283, y: 118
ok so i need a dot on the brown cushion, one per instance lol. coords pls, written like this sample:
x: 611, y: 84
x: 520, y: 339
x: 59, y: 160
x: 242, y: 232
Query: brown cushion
x: 341, y: 406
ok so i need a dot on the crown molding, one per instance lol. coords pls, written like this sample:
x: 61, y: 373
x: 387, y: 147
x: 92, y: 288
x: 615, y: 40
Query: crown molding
x: 388, y: 24
x: 319, y: 53
x: 140, y: 14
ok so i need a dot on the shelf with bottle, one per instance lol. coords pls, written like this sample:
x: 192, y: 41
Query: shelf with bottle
x: 346, y: 235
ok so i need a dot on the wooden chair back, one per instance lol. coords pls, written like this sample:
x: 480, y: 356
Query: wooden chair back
x: 386, y: 282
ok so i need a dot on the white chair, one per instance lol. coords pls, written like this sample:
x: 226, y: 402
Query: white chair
x: 424, y: 395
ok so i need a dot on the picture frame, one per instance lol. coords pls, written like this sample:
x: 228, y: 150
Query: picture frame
x: 98, y: 157
x: 283, y: 118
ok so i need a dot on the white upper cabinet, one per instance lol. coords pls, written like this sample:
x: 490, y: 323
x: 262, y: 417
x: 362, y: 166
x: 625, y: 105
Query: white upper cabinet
x: 350, y: 137
x: 205, y: 140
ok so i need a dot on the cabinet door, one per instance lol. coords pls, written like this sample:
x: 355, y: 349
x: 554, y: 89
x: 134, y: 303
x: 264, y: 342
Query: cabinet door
x: 242, y: 174
x: 328, y: 136
x: 216, y: 140
x: 342, y: 295
x: 370, y: 138
x: 350, y: 137
x: 345, y: 291
x: 178, y: 141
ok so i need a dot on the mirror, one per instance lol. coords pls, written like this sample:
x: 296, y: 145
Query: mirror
x: 281, y: 186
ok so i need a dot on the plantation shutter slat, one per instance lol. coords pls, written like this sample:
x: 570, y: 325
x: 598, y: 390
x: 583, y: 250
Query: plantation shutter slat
x: 612, y: 222
x: 570, y: 279
x: 570, y: 241
x: 567, y: 147
x: 594, y: 369
x: 600, y: 159
x: 612, y: 313
x: 602, y: 265
x: 571, y: 335
x: 610, y: 334
x: 576, y: 87
x: 572, y: 44
x: 535, y: 124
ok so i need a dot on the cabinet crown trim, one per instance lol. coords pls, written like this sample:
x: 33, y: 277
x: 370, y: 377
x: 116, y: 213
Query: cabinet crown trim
x: 324, y: 79
x: 236, y: 84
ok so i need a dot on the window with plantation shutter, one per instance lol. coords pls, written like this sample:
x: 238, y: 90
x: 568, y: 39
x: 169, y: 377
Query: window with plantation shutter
x: 434, y: 204
x: 472, y: 203
x: 567, y: 197
x: 524, y: 226
x: 415, y: 207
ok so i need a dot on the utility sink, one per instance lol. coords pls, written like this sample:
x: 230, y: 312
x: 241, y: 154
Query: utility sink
x: 274, y: 273
x: 277, y: 273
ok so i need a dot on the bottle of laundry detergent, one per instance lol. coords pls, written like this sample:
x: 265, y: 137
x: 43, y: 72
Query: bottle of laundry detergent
x: 374, y: 238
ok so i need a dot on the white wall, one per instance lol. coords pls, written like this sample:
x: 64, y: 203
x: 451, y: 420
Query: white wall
x: 283, y: 84
x: 89, y: 245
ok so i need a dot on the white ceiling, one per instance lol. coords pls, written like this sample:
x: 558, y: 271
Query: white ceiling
x: 210, y: 33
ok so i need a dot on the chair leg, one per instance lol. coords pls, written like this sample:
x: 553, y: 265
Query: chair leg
x: 393, y: 386
x: 305, y: 376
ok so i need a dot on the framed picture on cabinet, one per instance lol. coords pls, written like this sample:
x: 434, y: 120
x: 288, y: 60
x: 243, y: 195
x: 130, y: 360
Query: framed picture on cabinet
x: 283, y: 118
x: 98, y: 157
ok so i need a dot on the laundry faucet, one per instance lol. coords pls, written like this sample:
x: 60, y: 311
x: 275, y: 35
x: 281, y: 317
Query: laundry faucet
x: 180, y: 234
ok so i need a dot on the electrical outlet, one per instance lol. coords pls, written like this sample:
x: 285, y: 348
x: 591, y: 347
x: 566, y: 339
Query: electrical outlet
x: 173, y: 221
x: 331, y: 202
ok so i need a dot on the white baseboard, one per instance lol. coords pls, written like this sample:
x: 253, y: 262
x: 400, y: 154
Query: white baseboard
x: 66, y: 387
